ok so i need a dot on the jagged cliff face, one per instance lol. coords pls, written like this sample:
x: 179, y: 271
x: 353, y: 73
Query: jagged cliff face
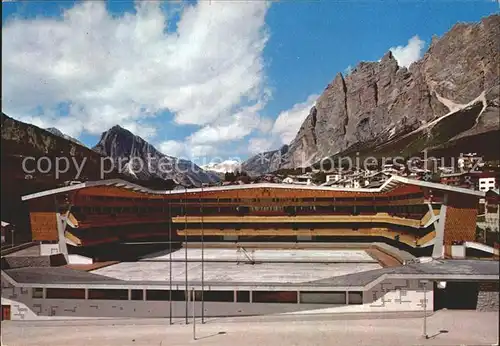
x: 142, y: 161
x: 379, y: 102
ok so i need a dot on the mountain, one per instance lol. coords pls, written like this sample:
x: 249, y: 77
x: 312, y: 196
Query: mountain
x: 448, y: 98
x: 227, y: 166
x: 57, y: 132
x: 29, y: 144
x: 269, y: 161
x: 133, y: 156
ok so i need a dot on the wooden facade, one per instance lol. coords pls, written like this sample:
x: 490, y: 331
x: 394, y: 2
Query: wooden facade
x: 114, y: 213
x: 461, y: 217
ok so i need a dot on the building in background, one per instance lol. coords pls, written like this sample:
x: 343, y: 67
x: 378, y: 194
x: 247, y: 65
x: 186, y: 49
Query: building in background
x: 488, y: 181
x: 7, y: 233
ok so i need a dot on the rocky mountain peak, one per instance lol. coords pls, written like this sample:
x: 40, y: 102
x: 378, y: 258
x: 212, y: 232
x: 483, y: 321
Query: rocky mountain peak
x: 143, y: 161
x: 389, y: 60
x: 378, y: 102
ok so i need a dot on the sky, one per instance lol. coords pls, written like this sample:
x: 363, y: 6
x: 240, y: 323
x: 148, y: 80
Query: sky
x: 203, y: 80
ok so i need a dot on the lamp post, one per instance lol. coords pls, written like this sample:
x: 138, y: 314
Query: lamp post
x: 202, y: 260
x: 424, y: 283
x: 170, y: 255
x: 194, y: 314
x: 185, y: 253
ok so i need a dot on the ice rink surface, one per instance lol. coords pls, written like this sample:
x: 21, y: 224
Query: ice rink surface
x: 319, y: 255
x: 266, y: 270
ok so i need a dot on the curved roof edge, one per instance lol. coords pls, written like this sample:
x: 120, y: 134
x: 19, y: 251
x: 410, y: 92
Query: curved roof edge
x: 388, y: 185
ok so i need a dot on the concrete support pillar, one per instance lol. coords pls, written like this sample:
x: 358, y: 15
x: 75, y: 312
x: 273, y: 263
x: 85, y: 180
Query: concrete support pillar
x: 438, y: 249
x: 61, y: 225
x: 144, y: 294
x: 86, y: 293
x: 298, y: 297
x: 251, y: 296
x: 129, y: 294
x: 235, y: 297
x: 347, y: 298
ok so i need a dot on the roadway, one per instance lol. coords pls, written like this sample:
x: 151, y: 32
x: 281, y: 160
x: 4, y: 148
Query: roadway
x: 444, y: 328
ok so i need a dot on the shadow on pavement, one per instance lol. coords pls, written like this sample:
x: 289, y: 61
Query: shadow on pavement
x: 209, y: 336
x: 438, y: 333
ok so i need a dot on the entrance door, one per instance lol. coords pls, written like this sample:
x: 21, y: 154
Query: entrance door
x: 456, y: 295
x: 5, y: 312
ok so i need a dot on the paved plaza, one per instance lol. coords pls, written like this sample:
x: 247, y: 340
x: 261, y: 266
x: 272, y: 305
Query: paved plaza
x: 444, y: 328
x: 268, y: 269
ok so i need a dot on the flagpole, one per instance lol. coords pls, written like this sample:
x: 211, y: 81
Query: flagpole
x: 170, y: 255
x: 202, y: 260
x: 186, y: 254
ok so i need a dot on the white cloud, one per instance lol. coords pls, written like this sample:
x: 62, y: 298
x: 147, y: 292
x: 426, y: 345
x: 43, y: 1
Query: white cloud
x: 140, y: 129
x: 284, y: 129
x: 288, y: 122
x: 260, y: 145
x: 201, y: 152
x: 125, y: 69
x: 406, y: 55
x: 186, y: 150
x: 172, y: 148
x: 232, y: 128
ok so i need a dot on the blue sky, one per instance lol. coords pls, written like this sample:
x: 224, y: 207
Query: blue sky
x: 200, y: 80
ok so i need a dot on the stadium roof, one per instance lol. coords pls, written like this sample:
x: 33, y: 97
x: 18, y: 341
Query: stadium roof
x: 389, y: 184
x: 439, y: 270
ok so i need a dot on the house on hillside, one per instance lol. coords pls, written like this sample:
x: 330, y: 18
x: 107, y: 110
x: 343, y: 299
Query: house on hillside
x: 7, y: 232
x: 488, y: 181
x: 304, y: 179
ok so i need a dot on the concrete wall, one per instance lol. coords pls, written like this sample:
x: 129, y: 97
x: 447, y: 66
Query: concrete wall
x: 458, y: 251
x: 388, y: 296
x: 399, y: 295
x: 487, y: 298
x: 391, y: 295
x: 24, y: 307
x: 49, y: 249
x: 79, y: 259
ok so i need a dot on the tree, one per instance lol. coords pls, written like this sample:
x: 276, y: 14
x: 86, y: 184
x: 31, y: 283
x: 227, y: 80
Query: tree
x: 229, y: 176
x: 319, y: 177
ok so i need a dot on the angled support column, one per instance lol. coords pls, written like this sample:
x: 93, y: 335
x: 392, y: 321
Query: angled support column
x: 61, y: 226
x: 438, y: 250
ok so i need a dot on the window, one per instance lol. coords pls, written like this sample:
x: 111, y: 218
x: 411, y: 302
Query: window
x: 137, y: 294
x: 215, y: 296
x: 274, y: 297
x: 243, y: 296
x: 37, y: 292
x: 108, y: 294
x: 322, y: 297
x: 355, y: 297
x: 165, y: 295
x: 65, y: 293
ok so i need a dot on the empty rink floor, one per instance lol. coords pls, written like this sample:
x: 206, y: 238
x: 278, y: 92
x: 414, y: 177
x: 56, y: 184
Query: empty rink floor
x: 232, y: 265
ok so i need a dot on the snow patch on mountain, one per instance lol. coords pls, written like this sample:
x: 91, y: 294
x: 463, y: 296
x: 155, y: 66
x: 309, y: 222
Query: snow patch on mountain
x: 227, y: 166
